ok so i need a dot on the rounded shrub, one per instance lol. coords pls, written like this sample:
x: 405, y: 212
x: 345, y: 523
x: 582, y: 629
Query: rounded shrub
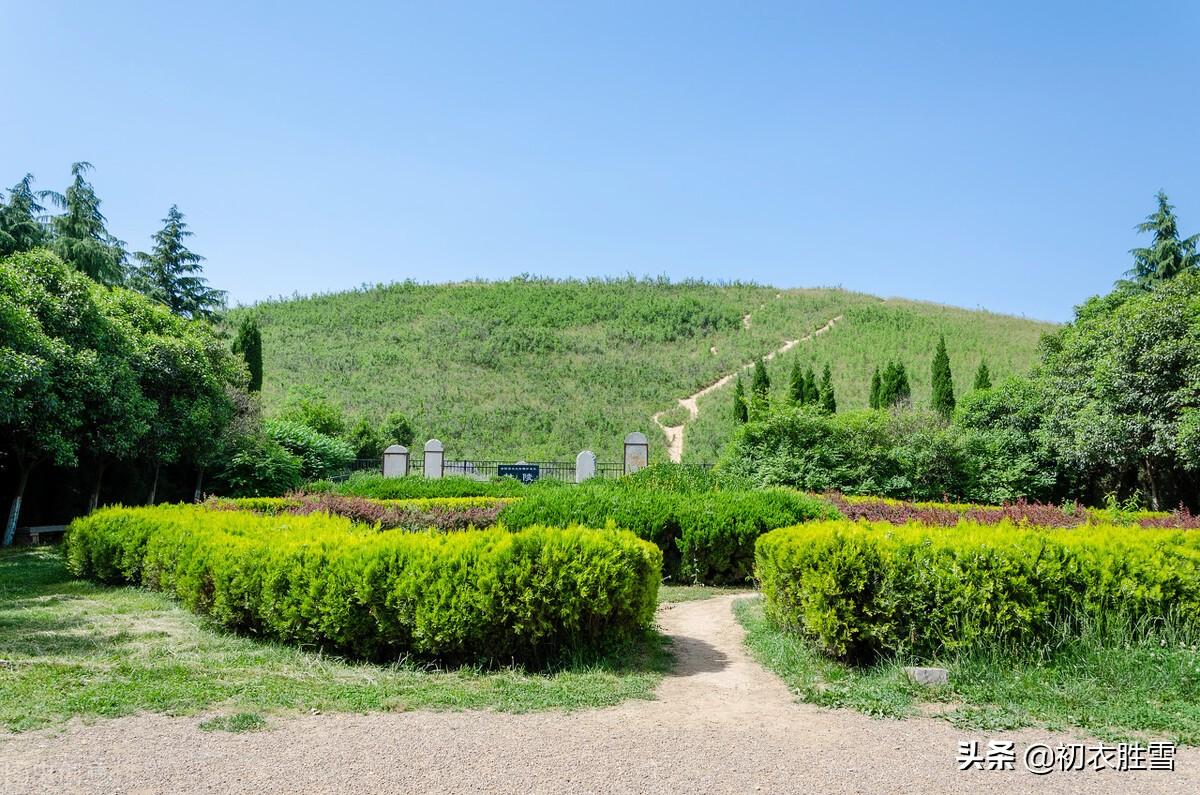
x: 487, y: 596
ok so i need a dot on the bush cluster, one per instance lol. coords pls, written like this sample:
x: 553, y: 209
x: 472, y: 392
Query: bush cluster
x: 444, y: 514
x: 482, y: 596
x: 320, y: 455
x: 705, y: 536
x: 861, y: 589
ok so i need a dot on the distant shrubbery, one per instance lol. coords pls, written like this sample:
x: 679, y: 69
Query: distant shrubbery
x: 320, y: 455
x: 879, y: 509
x: 415, y: 486
x: 485, y: 596
x: 706, y: 535
x: 859, y: 590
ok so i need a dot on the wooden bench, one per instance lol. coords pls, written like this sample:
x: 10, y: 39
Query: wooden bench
x: 45, y: 532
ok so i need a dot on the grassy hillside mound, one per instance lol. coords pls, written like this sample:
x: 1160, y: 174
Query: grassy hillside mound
x: 540, y: 369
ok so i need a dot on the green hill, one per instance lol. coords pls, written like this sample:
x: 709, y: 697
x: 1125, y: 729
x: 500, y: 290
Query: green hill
x: 540, y: 369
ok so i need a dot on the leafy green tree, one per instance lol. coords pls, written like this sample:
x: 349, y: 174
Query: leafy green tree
x: 80, y: 237
x: 311, y: 410
x: 741, y: 411
x: 876, y: 390
x: 1167, y: 256
x: 796, y: 391
x: 20, y: 229
x: 366, y: 439
x: 398, y: 429
x: 828, y: 399
x: 983, y: 378
x: 942, y: 381
x: 248, y: 343
x: 1123, y: 384
x: 170, y: 273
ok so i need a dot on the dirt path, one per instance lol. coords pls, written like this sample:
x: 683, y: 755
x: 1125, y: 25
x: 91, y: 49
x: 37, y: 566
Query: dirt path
x: 721, y: 724
x: 674, y: 433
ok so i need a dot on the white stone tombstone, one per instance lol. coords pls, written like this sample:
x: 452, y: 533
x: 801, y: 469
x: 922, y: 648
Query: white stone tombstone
x: 637, y: 452
x: 435, y: 459
x: 395, y: 461
x: 585, y: 466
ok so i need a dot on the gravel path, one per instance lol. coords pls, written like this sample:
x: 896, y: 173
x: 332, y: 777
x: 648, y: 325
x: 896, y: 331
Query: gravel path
x: 721, y: 724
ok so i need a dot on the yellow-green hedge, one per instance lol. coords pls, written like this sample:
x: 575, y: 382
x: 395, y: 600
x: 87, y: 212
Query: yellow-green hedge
x: 859, y: 589
x: 483, y: 595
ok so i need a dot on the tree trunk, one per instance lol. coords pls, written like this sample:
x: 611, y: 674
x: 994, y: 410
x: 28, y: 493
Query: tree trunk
x: 94, y: 501
x: 154, y: 484
x: 1151, y: 484
x: 199, y: 484
x: 14, y: 512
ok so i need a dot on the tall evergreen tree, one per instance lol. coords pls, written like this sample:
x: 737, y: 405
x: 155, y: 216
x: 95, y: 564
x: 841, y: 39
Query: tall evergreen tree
x: 20, y: 228
x: 876, y: 387
x: 894, y: 387
x: 983, y: 378
x: 80, y: 237
x: 942, y: 381
x: 796, y: 383
x: 761, y: 385
x: 170, y: 273
x: 812, y: 394
x: 1167, y: 255
x: 828, y: 400
x: 248, y: 343
x: 741, y: 411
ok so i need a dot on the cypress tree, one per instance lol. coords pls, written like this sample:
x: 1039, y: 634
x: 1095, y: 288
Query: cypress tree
x: 248, y: 343
x: 741, y: 412
x: 901, y: 392
x: 80, y: 237
x: 983, y: 378
x: 828, y: 401
x: 876, y: 386
x: 796, y: 383
x: 812, y: 394
x: 942, y: 381
x: 761, y: 385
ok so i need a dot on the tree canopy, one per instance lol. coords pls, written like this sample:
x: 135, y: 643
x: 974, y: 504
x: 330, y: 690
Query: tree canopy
x: 169, y: 273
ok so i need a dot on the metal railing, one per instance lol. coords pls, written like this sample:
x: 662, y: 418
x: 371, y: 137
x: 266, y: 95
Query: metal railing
x: 486, y: 470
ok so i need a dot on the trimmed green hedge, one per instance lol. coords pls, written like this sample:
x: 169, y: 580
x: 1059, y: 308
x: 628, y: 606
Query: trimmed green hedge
x: 416, y: 487
x: 482, y: 596
x: 863, y: 589
x: 705, y: 536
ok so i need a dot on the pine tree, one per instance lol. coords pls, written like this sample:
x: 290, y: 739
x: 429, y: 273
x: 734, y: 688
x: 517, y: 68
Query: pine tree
x: 248, y: 343
x: 80, y: 237
x: 1167, y: 255
x: 942, y: 381
x: 796, y: 383
x: 761, y: 385
x: 828, y: 400
x: 169, y: 274
x: 876, y: 387
x: 812, y: 394
x: 20, y: 228
x: 741, y: 412
x: 983, y: 378
x: 893, y: 387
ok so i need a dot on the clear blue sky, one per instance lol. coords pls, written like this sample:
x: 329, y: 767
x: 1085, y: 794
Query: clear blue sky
x: 988, y: 157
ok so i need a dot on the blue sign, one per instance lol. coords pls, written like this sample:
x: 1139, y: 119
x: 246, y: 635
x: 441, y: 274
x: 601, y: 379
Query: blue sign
x: 526, y: 473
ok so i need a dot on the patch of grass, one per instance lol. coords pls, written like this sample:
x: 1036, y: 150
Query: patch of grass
x: 691, y: 593
x: 241, y: 722
x: 70, y: 647
x: 1113, y: 691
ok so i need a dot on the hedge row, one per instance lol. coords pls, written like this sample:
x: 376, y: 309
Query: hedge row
x: 482, y: 596
x: 864, y: 589
x: 883, y: 509
x: 438, y: 513
x: 705, y: 536
x: 414, y: 486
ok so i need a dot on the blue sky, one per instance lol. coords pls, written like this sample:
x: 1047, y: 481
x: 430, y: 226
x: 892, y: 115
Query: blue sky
x: 995, y: 157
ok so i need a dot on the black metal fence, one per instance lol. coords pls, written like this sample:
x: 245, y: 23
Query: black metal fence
x: 486, y: 470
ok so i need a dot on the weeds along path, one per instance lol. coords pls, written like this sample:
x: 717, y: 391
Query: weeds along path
x: 720, y: 724
x: 674, y: 433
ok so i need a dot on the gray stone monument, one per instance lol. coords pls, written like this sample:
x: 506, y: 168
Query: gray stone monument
x: 585, y: 466
x: 395, y: 461
x: 435, y: 459
x: 637, y: 452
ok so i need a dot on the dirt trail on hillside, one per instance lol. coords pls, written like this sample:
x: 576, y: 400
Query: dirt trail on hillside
x: 721, y: 724
x: 674, y: 433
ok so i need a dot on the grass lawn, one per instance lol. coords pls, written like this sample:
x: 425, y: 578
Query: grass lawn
x: 1123, y: 693
x: 690, y: 593
x: 70, y: 647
